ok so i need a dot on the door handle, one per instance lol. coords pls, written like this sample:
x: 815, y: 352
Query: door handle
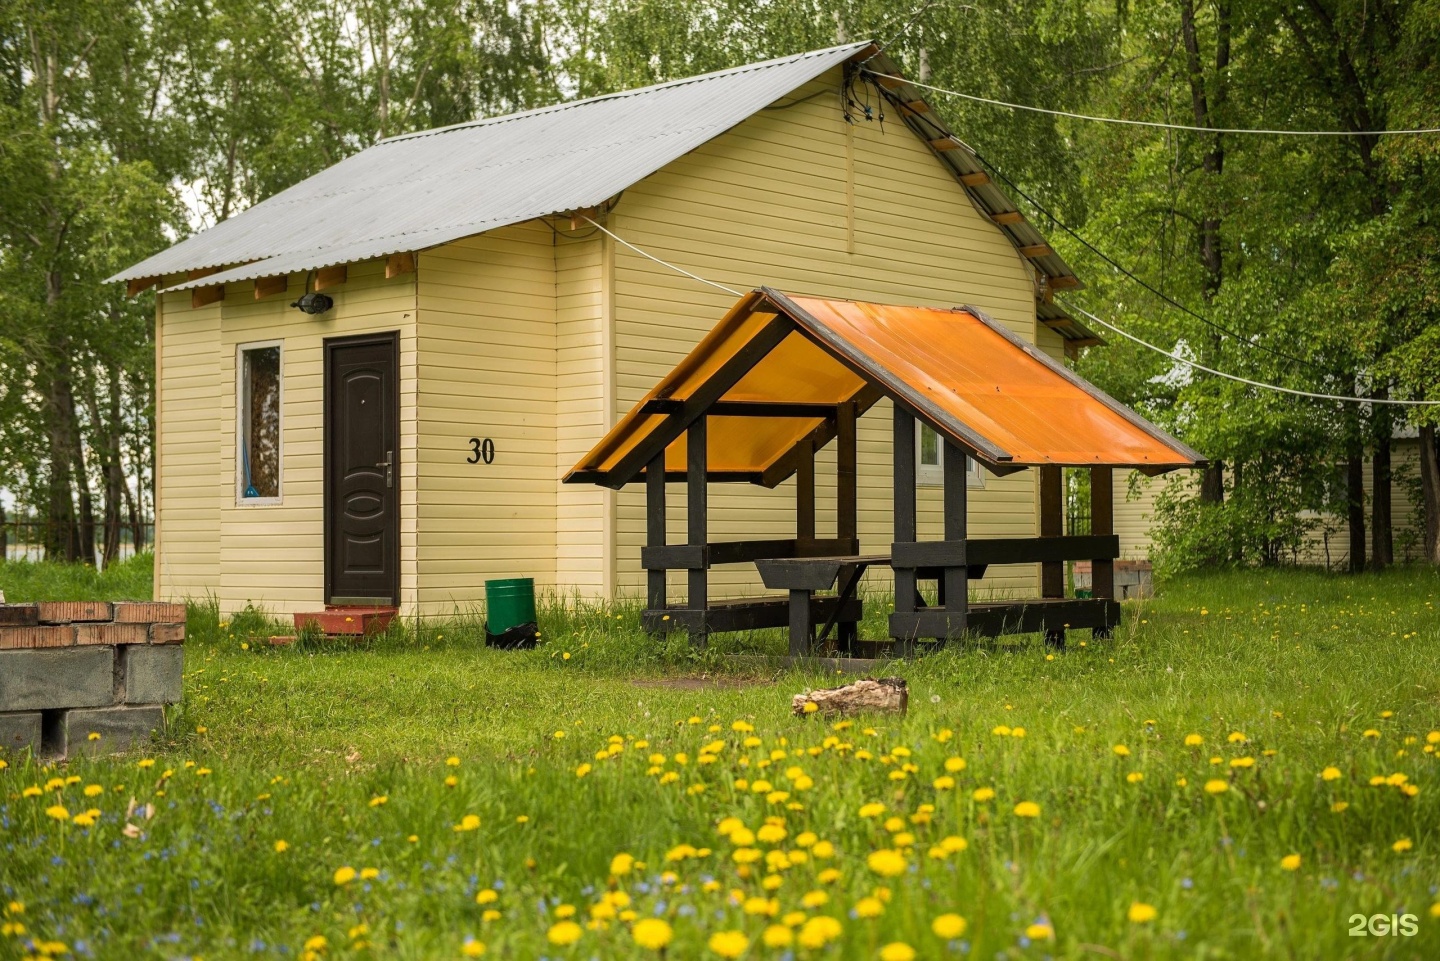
x: 389, y: 464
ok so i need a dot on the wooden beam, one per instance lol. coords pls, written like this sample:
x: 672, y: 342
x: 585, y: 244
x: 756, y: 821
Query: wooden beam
x: 397, y: 264
x: 331, y: 276
x: 955, y: 582
x: 746, y: 408
x: 697, y: 511
x: 202, y: 272
x: 889, y: 81
x: 1052, y: 524
x: 946, y: 143
x: 847, y: 474
x: 139, y: 285
x: 727, y: 376
x: 1102, y: 522
x: 270, y: 286
x: 978, y: 179
x: 1057, y: 323
x: 1036, y: 250
x: 205, y: 296
x: 916, y: 106
x: 903, y: 444
x: 805, y: 493
x: 1086, y: 341
x: 655, y: 527
x: 1062, y: 283
x: 1008, y: 217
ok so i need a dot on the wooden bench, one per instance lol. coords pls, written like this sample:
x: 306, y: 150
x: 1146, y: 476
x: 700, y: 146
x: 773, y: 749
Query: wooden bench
x: 802, y: 577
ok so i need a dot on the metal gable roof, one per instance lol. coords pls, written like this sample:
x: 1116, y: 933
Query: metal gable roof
x: 419, y: 190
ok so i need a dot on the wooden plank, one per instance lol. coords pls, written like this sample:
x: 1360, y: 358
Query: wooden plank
x: 397, y: 264
x: 202, y: 272
x: 1052, y: 524
x: 1057, y: 323
x: 746, y: 614
x: 744, y: 408
x: 1102, y: 523
x: 903, y: 442
x: 327, y: 277
x: 1062, y: 283
x: 916, y: 106
x: 697, y: 511
x: 1031, y: 550
x: 270, y: 286
x: 1007, y: 217
x: 805, y: 492
x: 691, y: 556
x: 946, y: 143
x: 205, y: 296
x: 955, y: 581
x: 1020, y: 617
x: 978, y: 179
x: 918, y: 554
x: 847, y: 522
x: 801, y: 624
x: 1036, y: 250
x: 655, y: 528
x: 139, y: 285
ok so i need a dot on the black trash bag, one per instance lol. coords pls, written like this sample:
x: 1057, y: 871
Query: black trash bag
x: 521, y: 636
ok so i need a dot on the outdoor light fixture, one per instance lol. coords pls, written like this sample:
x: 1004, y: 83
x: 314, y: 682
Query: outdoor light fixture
x: 313, y: 303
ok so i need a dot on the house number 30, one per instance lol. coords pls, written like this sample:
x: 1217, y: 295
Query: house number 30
x: 481, y: 450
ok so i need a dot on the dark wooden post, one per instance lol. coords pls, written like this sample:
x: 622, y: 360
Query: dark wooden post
x: 655, y: 529
x: 847, y: 494
x: 697, y: 527
x: 956, y: 579
x: 847, y: 525
x: 1102, y: 522
x: 805, y: 492
x: 904, y: 446
x: 1052, y: 524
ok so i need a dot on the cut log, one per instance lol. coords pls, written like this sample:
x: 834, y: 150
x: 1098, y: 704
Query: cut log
x: 888, y: 694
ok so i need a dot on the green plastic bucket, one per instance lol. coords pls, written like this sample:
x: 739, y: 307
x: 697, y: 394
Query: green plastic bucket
x: 509, y: 603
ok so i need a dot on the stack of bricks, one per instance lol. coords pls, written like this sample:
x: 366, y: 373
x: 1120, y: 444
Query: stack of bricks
x: 87, y: 676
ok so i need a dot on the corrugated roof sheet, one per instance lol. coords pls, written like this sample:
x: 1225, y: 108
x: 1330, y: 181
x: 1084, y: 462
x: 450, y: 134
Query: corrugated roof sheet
x: 418, y: 190
x: 1001, y: 399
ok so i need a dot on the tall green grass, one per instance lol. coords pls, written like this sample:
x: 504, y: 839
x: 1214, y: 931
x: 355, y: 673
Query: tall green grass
x: 299, y: 741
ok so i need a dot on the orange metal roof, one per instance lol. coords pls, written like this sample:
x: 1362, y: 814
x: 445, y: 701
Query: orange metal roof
x: 1004, y: 401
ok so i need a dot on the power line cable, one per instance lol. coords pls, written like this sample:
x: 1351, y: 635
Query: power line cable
x: 1246, y: 380
x: 1176, y: 357
x: 1213, y: 325
x: 1170, y: 126
x: 662, y: 263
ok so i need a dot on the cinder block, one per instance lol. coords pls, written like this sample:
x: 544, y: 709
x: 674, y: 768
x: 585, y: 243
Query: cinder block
x: 153, y: 675
x: 20, y: 731
x: 120, y: 729
x: 19, y: 615
x: 64, y: 677
x: 112, y: 634
x: 19, y: 638
x: 63, y: 612
x: 149, y: 612
x: 167, y: 633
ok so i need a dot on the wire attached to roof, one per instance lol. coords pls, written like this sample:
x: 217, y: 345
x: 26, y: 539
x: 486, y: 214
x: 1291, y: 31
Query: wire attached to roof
x: 1245, y: 380
x: 1169, y: 126
x: 662, y: 263
x: 1213, y: 325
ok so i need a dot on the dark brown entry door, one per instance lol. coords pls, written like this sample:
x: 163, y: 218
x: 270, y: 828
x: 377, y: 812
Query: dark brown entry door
x: 362, y: 496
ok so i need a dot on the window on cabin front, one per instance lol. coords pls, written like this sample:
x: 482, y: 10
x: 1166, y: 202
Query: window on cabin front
x: 258, y: 434
x: 930, y: 461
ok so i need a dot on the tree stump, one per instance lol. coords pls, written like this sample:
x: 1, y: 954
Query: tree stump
x: 885, y: 695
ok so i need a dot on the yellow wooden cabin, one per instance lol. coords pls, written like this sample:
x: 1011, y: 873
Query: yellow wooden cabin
x: 407, y: 441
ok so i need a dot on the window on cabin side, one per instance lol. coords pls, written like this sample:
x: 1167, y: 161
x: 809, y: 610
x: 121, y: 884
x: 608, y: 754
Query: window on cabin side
x: 258, y: 444
x: 930, y: 461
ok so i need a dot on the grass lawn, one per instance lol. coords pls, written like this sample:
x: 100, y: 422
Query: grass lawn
x: 1247, y: 765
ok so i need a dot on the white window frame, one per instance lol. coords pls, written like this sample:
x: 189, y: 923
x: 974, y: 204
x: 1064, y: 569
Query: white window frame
x: 933, y: 475
x: 240, y: 411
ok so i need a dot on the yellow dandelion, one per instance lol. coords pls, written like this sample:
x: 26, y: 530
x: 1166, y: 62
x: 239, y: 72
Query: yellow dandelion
x: 1193, y: 740
x: 564, y: 933
x: 1027, y: 809
x: 344, y: 875
x: 1216, y: 786
x: 948, y: 926
x: 1402, y: 845
x: 897, y: 951
x: 282, y: 846
x: 777, y: 936
x: 1330, y: 774
x: 1121, y: 750
x: 887, y: 862
x: 1141, y: 913
x: 1290, y: 862
x: 653, y: 934
x: 983, y: 794
x: 728, y: 944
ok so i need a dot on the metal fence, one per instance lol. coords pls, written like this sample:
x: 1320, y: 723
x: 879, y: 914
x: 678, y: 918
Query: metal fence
x: 25, y: 540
